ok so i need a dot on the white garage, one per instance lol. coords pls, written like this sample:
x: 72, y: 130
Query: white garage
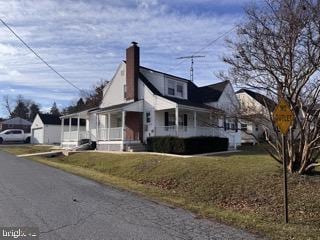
x: 46, y: 129
x: 37, y: 135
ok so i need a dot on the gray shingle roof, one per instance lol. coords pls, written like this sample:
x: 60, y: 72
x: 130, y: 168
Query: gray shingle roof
x: 197, y: 96
x: 50, y: 119
x: 17, y: 121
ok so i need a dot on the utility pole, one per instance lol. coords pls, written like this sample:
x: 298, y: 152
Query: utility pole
x: 191, y: 68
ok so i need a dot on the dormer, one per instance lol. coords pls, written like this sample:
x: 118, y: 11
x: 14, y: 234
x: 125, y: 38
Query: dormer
x: 175, y: 87
x: 166, y: 84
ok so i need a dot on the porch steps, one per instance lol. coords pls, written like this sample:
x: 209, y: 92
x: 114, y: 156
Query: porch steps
x: 135, y: 147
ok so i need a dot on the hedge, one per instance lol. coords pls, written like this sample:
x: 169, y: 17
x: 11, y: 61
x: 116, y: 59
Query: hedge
x: 192, y: 145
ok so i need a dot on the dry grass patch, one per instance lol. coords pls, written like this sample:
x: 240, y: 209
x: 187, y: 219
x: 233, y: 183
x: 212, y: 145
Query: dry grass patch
x: 24, y: 149
x: 243, y: 189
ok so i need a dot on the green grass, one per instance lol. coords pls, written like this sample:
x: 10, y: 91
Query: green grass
x: 241, y: 189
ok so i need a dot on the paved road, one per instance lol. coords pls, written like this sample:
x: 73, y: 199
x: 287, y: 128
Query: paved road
x: 32, y: 194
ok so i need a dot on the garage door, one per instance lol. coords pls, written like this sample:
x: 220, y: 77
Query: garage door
x: 37, y: 135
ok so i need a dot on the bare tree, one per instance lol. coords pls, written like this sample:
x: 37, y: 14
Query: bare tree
x: 277, y: 53
x: 7, y: 104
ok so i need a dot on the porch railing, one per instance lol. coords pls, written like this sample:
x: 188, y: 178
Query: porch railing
x: 107, y: 134
x: 74, y: 136
x: 186, y: 131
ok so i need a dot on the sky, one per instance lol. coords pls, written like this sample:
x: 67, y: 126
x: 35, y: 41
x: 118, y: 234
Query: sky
x: 85, y: 41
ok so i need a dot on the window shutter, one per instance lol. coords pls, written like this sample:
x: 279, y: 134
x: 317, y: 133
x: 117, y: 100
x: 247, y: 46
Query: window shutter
x: 236, y: 123
x: 166, y: 118
x: 185, y: 120
x: 225, y: 123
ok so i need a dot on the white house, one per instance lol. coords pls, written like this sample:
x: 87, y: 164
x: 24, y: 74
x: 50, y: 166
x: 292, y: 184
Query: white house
x: 140, y: 102
x: 255, y: 109
x: 46, y: 129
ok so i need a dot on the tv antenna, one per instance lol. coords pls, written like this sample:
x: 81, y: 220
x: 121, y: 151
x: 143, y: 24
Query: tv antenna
x: 191, y: 68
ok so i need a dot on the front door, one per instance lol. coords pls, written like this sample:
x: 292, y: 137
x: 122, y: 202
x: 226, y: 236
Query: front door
x: 133, y: 123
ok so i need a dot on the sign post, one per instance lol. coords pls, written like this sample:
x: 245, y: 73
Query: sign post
x: 283, y: 117
x: 285, y: 181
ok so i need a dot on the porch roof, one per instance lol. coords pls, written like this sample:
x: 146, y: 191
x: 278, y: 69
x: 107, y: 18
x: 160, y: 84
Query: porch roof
x: 187, y: 103
x: 81, y: 114
x: 131, y: 106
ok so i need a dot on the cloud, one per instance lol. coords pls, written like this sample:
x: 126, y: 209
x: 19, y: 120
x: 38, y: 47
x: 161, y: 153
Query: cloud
x: 86, y: 40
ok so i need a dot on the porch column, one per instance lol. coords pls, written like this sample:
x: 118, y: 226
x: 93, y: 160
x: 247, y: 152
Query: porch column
x: 70, y: 120
x: 177, y: 121
x: 195, y: 124
x: 78, y: 128
x: 62, y: 130
x: 123, y: 129
x: 97, y: 127
x: 123, y: 124
x: 109, y: 126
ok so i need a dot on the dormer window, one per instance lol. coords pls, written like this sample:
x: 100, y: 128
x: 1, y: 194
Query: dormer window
x: 179, y: 90
x: 171, y: 88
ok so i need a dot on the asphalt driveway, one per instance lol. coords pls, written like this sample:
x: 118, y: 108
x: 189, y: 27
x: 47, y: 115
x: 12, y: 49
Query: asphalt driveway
x: 65, y: 206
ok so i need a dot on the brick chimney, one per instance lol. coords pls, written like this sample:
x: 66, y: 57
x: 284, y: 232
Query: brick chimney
x: 132, y: 71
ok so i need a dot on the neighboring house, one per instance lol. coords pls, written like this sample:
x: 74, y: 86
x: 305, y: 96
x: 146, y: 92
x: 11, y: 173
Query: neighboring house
x: 16, y: 123
x: 46, y: 129
x: 255, y: 115
x: 140, y: 102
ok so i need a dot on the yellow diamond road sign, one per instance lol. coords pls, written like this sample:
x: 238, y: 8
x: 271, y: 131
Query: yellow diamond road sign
x: 283, y: 116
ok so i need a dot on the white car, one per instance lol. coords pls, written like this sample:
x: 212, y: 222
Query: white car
x: 14, y: 135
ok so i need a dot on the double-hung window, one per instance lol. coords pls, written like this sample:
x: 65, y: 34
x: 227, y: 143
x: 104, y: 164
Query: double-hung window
x: 180, y: 90
x: 148, y: 117
x: 125, y: 91
x: 244, y: 127
x: 171, y: 88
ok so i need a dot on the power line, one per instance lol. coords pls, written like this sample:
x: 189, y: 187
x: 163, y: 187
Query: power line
x: 38, y: 56
x: 209, y: 44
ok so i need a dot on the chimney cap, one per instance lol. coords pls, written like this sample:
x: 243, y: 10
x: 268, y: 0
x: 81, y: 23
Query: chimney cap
x: 134, y: 43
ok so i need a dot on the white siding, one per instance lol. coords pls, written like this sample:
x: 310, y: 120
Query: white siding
x: 45, y: 134
x: 37, y: 122
x: 37, y: 135
x: 114, y: 91
x: 92, y: 126
x: 157, y: 79
x: 227, y: 102
x: 52, y: 134
x: 249, y: 104
x: 160, y: 82
x: 151, y: 104
x: 37, y: 131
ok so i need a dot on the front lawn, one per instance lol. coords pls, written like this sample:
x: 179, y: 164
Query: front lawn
x: 241, y: 189
x: 25, y: 148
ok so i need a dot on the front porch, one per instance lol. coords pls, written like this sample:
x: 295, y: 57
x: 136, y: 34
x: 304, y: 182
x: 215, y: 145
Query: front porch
x: 185, y: 122
x: 76, y: 129
x: 119, y: 127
